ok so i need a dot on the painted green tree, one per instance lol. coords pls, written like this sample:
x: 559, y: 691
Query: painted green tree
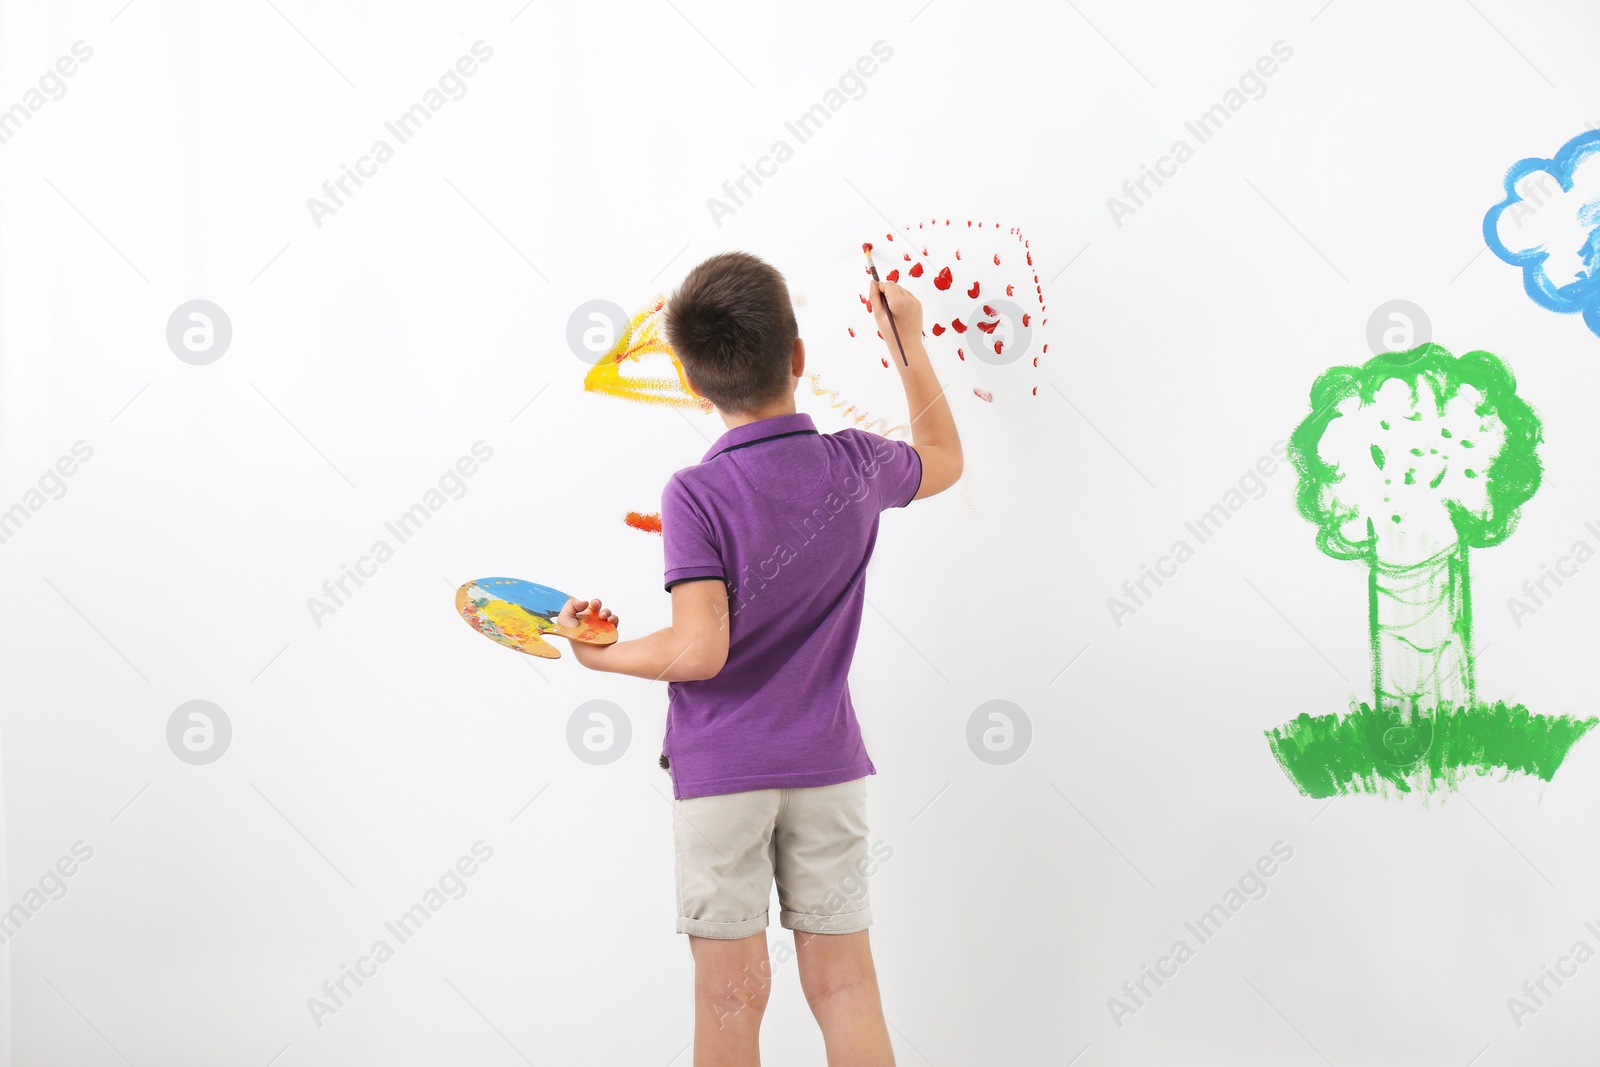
x: 1407, y: 463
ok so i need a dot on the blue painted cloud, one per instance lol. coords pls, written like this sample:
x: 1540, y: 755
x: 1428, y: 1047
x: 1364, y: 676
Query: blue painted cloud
x: 1549, y: 225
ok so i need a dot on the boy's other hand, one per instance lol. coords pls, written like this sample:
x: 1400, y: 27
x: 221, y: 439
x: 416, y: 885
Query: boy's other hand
x: 575, y: 607
x: 584, y: 652
x: 907, y: 311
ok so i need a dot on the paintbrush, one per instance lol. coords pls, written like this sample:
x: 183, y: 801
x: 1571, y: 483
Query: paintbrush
x: 866, y: 248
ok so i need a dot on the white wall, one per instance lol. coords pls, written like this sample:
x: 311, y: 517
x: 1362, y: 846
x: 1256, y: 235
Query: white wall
x: 369, y: 352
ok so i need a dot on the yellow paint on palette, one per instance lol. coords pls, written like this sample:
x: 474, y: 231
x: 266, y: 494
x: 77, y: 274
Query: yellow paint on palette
x: 643, y: 338
x: 519, y: 626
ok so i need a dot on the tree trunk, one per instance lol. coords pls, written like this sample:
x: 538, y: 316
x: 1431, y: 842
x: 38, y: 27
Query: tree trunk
x: 1422, y: 636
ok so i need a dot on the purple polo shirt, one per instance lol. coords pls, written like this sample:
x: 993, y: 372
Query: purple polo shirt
x: 786, y: 517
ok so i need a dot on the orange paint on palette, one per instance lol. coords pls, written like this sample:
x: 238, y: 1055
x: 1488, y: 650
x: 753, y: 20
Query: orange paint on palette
x: 648, y: 522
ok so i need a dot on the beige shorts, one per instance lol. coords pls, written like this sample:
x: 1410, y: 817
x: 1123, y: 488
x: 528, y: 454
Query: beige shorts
x: 812, y: 842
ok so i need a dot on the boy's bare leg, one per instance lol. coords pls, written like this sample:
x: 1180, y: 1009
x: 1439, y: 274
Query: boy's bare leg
x: 732, y: 979
x: 841, y: 986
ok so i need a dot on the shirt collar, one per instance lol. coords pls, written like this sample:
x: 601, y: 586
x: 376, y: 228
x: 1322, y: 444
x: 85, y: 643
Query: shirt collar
x: 760, y: 430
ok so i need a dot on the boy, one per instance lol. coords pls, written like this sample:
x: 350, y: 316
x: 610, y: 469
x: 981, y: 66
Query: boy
x: 766, y: 542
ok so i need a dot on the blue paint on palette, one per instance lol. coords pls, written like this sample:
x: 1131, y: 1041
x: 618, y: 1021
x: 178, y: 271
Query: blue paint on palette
x: 535, y: 599
x: 1548, y: 224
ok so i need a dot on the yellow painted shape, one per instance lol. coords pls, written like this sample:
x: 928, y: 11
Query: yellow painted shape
x: 641, y: 339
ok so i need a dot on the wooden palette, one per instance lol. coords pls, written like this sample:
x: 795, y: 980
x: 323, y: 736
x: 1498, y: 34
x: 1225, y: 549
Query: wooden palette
x: 520, y: 614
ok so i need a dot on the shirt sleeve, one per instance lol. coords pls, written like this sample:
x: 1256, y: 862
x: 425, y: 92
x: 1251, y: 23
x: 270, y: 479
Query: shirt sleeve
x: 892, y: 468
x: 689, y: 543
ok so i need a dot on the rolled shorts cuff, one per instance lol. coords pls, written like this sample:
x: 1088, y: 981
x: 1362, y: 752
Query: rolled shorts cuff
x: 849, y: 922
x: 723, y: 931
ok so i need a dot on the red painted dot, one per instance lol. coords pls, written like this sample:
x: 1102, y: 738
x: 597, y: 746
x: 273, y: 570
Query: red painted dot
x: 1011, y: 290
x: 997, y: 259
x: 885, y: 362
x: 938, y: 329
x: 894, y: 276
x: 943, y: 279
x: 958, y: 326
x: 852, y: 330
x: 961, y: 354
x: 1024, y: 317
x: 989, y: 311
x: 972, y: 294
x: 998, y: 345
x: 916, y: 270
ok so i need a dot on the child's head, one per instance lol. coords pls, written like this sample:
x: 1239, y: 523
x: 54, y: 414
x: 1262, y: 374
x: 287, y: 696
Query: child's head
x: 732, y: 326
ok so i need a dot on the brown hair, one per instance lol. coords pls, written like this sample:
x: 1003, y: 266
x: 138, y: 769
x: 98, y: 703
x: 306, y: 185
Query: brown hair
x: 732, y: 326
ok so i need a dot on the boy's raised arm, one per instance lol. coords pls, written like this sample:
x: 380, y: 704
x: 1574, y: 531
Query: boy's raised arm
x: 933, y: 427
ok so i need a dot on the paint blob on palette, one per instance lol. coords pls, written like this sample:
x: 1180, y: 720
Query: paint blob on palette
x: 519, y: 614
x: 983, y: 303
